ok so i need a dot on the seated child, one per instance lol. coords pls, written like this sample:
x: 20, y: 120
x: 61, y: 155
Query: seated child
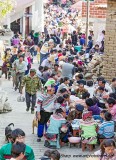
x: 92, y: 106
x: 73, y: 114
x: 80, y: 109
x: 88, y: 128
x: 66, y: 102
x: 112, y: 107
x: 60, y: 103
x: 18, y: 150
x: 100, y: 117
x: 106, y: 130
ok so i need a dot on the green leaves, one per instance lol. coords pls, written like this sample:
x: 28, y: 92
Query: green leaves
x: 6, y: 6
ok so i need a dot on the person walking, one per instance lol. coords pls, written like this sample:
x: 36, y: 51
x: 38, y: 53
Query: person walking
x: 32, y: 84
x: 6, y: 63
x: 30, y: 43
x: 20, y: 67
x: 45, y: 108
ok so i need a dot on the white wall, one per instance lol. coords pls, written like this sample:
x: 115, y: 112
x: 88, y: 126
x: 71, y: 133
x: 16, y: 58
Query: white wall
x: 39, y: 16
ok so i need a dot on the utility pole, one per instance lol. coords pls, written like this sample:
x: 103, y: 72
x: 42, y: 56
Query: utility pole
x: 87, y: 21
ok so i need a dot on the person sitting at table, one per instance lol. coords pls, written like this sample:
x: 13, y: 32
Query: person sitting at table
x: 67, y: 102
x: 62, y: 92
x: 80, y: 79
x: 111, y: 102
x: 106, y: 129
x: 85, y: 96
x: 112, y: 95
x: 88, y: 127
x: 100, y: 117
x: 75, y: 112
x: 101, y: 94
x: 64, y: 83
x: 112, y: 107
x: 80, y: 90
x: 92, y: 106
x: 67, y: 98
x: 73, y: 97
x: 80, y: 109
x: 60, y: 103
x: 53, y: 130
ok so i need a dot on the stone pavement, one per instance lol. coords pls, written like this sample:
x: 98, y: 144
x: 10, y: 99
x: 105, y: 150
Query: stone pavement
x: 23, y: 120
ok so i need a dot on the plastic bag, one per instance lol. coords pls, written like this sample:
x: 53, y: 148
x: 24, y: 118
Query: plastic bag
x: 21, y: 98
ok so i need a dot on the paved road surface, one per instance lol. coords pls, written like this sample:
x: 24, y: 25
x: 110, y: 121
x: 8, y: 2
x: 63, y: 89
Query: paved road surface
x: 23, y: 120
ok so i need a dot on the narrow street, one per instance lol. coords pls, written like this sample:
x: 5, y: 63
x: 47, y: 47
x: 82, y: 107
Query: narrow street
x: 74, y: 43
x: 23, y: 120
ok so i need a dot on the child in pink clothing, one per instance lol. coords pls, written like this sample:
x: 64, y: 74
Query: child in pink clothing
x: 112, y: 107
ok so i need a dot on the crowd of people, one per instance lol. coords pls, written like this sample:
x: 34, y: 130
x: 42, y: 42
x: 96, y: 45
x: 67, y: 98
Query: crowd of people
x: 65, y: 92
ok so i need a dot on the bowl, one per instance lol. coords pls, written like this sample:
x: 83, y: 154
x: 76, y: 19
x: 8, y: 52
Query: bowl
x: 97, y: 121
x: 74, y: 121
x: 74, y: 139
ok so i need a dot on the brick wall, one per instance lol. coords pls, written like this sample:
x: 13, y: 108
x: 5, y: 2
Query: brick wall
x: 95, y: 12
x: 109, y: 60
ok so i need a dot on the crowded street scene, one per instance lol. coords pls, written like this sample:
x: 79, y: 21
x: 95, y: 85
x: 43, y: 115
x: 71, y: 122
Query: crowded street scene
x: 57, y: 80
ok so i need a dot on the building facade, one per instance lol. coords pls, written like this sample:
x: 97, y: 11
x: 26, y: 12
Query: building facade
x: 109, y: 62
x: 97, y: 15
x: 27, y: 16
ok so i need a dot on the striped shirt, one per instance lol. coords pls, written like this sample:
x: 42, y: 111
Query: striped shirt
x: 107, y: 129
x: 46, y: 102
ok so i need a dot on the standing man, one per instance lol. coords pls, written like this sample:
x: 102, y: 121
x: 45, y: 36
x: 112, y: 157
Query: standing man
x: 89, y: 45
x: 74, y: 38
x: 32, y: 84
x: 68, y: 69
x: 45, y: 108
x: 20, y: 67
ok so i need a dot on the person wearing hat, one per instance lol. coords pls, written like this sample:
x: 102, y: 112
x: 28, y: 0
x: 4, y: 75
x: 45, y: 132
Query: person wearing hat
x: 44, y: 52
x: 75, y: 112
x: 47, y: 62
x: 32, y: 84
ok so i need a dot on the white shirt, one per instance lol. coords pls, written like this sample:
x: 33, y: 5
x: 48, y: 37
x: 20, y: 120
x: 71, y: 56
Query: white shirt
x: 74, y: 98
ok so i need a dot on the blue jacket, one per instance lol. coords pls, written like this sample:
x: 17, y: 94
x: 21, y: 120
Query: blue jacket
x: 107, y: 129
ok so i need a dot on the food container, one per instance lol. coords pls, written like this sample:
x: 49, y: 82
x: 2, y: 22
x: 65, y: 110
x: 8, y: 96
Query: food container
x: 74, y: 140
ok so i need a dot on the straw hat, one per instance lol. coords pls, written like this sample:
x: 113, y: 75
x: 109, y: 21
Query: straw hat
x: 51, y: 59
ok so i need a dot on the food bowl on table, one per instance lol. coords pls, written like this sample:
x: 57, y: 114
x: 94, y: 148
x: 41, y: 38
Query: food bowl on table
x: 74, y: 140
x: 74, y: 121
x: 97, y: 121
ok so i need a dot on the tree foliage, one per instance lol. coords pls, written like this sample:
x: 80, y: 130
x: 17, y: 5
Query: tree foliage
x: 6, y: 6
